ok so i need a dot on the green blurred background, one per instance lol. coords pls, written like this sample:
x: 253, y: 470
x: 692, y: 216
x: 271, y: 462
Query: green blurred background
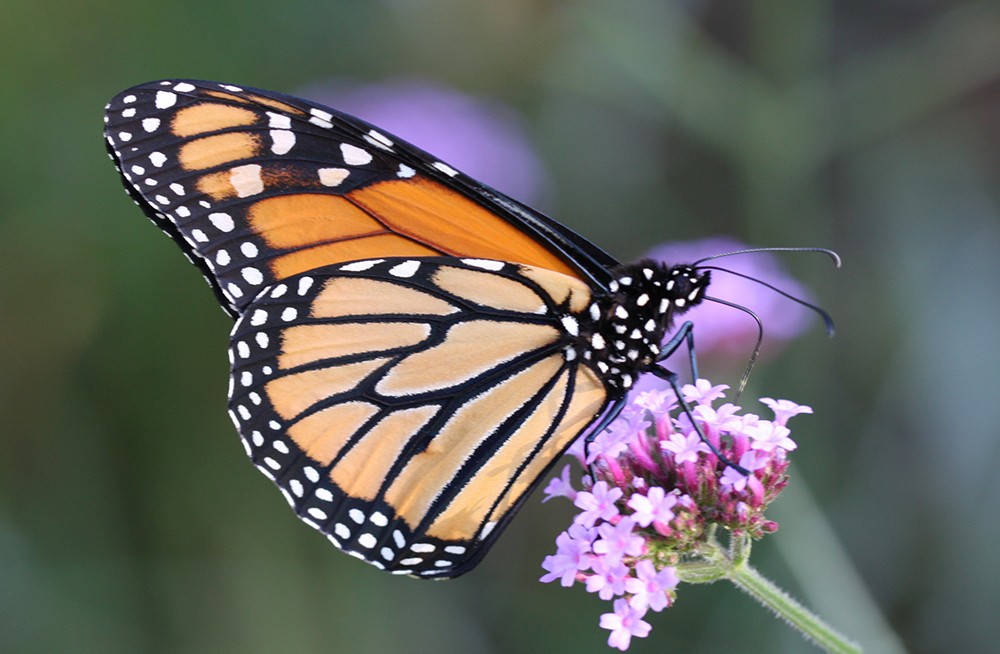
x: 130, y: 520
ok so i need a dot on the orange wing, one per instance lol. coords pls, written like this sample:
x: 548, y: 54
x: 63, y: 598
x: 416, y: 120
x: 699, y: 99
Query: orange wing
x: 408, y: 406
x: 257, y: 187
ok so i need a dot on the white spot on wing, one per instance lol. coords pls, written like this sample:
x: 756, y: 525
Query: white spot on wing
x: 150, y: 124
x: 359, y: 266
x: 485, y: 264
x: 445, y: 168
x: 278, y: 121
x: 165, y: 99
x: 252, y: 275
x: 246, y: 180
x: 332, y: 176
x: 321, y: 118
x: 379, y: 137
x: 354, y: 156
x: 282, y: 141
x: 405, y: 269
x: 222, y: 221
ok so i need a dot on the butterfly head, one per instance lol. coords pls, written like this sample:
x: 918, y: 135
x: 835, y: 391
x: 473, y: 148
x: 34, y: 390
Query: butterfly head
x: 622, y: 329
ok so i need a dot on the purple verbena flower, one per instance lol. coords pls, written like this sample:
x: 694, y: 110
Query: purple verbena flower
x: 656, y: 505
x: 608, y: 578
x: 598, y: 503
x: 685, y: 448
x: 655, y: 494
x: 703, y: 392
x: 651, y: 588
x: 625, y: 622
x: 560, y: 486
x: 617, y: 541
x: 784, y: 409
x: 767, y: 436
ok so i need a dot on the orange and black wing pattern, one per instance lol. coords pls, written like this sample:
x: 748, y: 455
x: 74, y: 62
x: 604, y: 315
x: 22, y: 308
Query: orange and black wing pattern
x: 256, y: 186
x: 406, y: 406
x: 413, y: 350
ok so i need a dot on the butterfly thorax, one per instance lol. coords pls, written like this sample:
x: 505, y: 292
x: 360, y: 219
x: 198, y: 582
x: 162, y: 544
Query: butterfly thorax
x: 621, y: 331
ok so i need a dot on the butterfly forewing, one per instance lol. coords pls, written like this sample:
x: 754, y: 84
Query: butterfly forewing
x: 366, y: 392
x: 257, y: 187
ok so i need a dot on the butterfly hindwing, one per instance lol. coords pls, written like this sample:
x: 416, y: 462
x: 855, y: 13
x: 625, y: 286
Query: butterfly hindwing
x: 257, y: 186
x: 365, y: 391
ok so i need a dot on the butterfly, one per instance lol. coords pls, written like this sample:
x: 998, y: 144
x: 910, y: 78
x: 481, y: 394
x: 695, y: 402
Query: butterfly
x: 412, y: 350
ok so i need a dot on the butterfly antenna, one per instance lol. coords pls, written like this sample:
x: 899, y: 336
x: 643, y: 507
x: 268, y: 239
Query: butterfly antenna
x: 827, y: 319
x: 828, y: 252
x: 745, y: 377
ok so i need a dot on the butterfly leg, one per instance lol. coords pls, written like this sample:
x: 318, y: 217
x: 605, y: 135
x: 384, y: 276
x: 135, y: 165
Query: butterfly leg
x: 685, y: 335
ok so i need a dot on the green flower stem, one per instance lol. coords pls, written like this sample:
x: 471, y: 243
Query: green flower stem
x: 716, y: 562
x: 782, y: 605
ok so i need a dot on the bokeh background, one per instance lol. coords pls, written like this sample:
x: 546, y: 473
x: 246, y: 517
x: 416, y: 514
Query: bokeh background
x: 130, y: 520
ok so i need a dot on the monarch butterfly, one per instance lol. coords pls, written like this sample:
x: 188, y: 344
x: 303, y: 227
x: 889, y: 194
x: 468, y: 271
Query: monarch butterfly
x: 412, y: 349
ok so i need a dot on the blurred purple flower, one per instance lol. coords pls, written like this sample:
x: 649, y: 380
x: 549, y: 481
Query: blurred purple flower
x: 721, y: 331
x: 484, y: 139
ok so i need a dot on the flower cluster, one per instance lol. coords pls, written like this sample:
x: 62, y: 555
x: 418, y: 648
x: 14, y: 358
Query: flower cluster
x: 655, y: 493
